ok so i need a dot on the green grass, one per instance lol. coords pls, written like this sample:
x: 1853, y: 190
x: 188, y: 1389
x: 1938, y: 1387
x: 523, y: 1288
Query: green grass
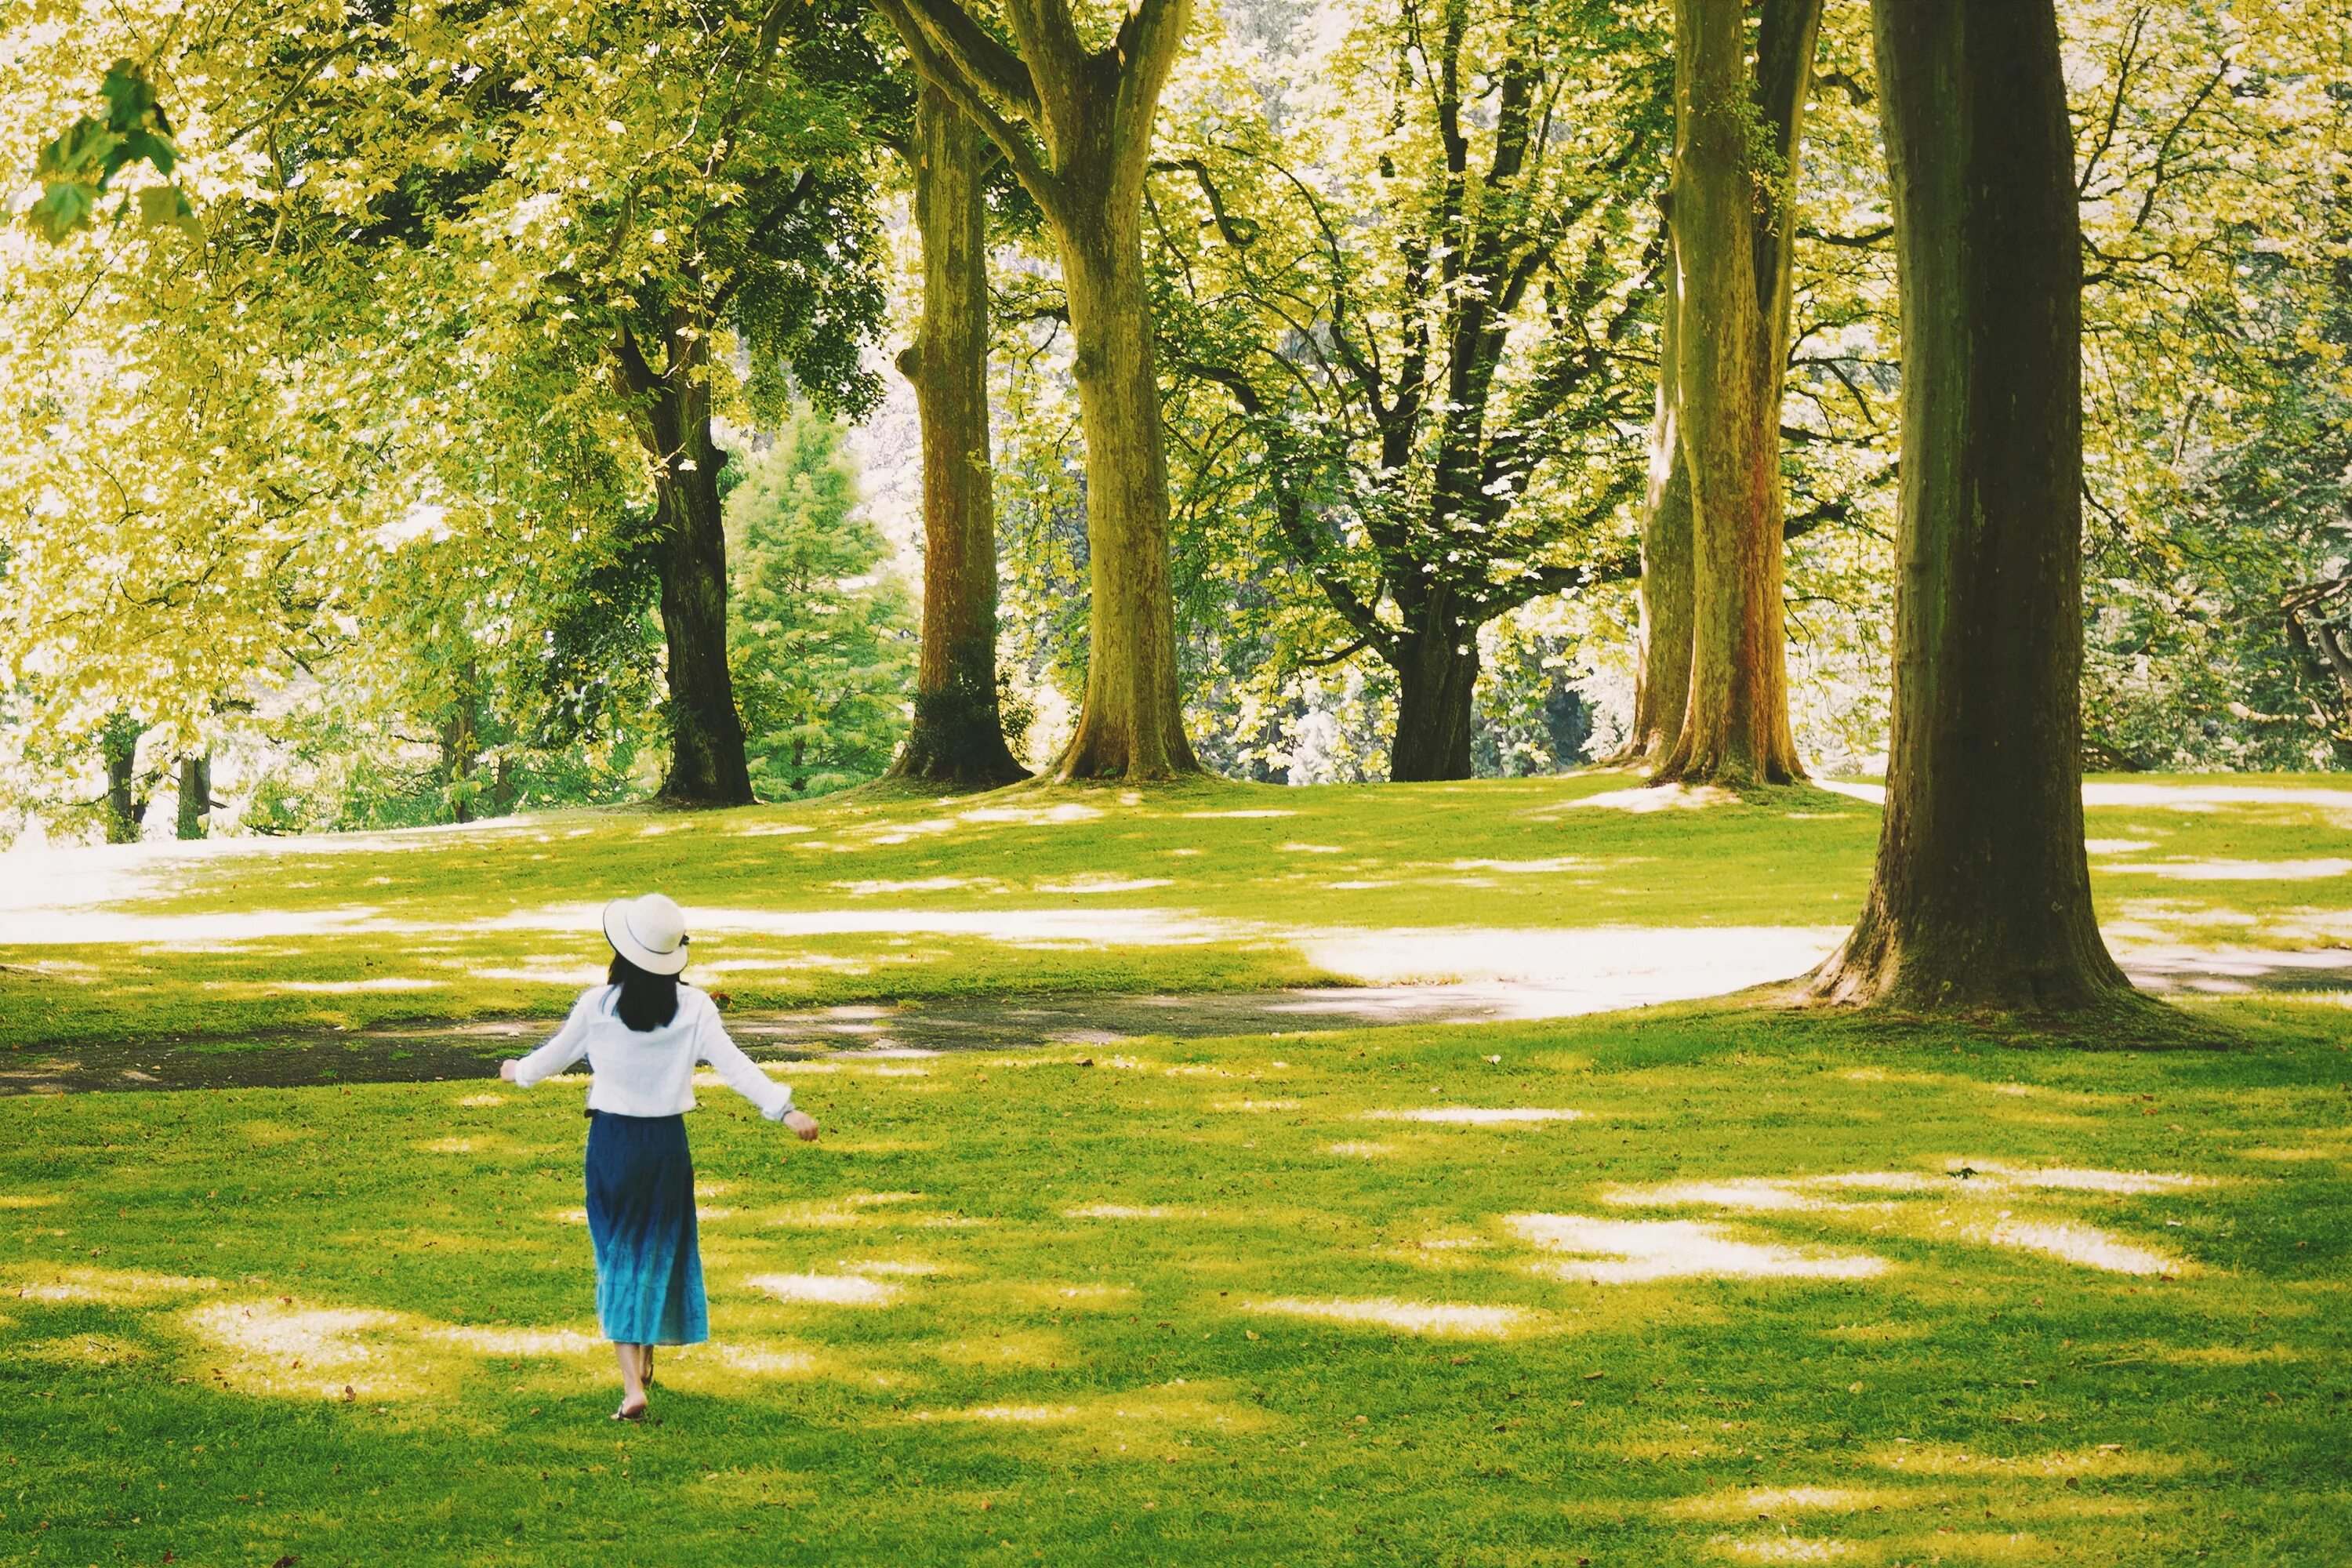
x: 192, y: 1279
x: 1208, y: 887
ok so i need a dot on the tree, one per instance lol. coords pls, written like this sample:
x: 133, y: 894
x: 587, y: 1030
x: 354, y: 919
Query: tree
x: 1982, y: 894
x: 1739, y: 131
x: 751, y: 210
x: 593, y: 212
x: 957, y: 737
x: 1412, y: 335
x: 823, y: 639
x: 1074, y: 119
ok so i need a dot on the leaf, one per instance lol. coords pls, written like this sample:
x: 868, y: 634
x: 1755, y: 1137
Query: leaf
x: 73, y: 155
x: 130, y: 99
x: 166, y: 206
x: 64, y: 207
x: 137, y: 146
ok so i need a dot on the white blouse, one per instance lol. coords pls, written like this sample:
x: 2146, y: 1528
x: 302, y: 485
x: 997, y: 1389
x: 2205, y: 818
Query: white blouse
x: 651, y: 1073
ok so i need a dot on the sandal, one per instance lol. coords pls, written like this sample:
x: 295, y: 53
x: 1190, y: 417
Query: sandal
x: 626, y: 1414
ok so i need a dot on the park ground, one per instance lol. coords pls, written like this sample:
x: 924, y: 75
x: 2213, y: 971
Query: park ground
x: 1705, y: 1283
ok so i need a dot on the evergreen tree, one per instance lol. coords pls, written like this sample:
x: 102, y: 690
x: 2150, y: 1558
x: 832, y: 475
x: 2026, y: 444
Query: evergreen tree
x: 822, y: 640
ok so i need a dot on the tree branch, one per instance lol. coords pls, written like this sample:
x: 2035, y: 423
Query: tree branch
x: 949, y: 75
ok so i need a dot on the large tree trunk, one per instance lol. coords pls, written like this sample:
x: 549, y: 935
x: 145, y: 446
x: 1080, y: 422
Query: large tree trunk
x: 196, y: 795
x: 1132, y: 723
x: 1981, y: 898
x: 1662, y: 677
x: 708, y: 765
x: 957, y: 735
x: 1436, y: 660
x: 1733, y: 213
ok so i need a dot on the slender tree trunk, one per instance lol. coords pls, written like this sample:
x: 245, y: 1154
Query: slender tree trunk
x: 1981, y: 898
x: 460, y: 748
x: 1436, y: 660
x: 708, y: 765
x: 1733, y: 204
x: 1132, y: 723
x: 126, y: 806
x: 196, y: 795
x: 1662, y: 680
x: 957, y: 735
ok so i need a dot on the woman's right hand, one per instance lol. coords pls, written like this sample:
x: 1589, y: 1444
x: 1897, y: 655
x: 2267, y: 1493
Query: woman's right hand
x: 801, y: 1122
x: 506, y: 1068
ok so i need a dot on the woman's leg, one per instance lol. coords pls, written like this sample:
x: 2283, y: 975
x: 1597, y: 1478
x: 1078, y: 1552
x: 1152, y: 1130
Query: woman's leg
x: 633, y: 1383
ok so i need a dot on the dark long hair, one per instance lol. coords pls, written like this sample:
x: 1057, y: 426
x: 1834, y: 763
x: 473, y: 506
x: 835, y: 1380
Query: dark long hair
x: 647, y: 1001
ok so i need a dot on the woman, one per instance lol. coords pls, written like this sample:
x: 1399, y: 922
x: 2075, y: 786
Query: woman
x: 642, y: 1034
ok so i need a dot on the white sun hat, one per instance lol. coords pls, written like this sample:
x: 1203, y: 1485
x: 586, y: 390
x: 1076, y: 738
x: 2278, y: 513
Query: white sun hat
x: 650, y: 932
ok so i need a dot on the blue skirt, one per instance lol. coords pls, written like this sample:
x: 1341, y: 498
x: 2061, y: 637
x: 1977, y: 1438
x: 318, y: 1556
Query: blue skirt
x: 641, y: 1218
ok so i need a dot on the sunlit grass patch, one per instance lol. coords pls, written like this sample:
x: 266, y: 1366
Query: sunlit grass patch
x: 1210, y: 886
x: 1405, y: 1317
x: 1627, y: 1252
x: 1474, y: 1115
x: 827, y: 1289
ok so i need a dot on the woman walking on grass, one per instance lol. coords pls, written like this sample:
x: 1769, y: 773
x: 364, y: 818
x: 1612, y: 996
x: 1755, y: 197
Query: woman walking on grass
x: 643, y: 1033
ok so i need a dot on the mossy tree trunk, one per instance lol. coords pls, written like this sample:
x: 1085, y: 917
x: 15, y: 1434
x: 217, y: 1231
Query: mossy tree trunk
x: 1075, y: 124
x: 458, y: 736
x: 196, y: 795
x: 126, y: 797
x: 1739, y: 131
x: 1662, y: 676
x: 1981, y: 897
x: 957, y: 735
x: 672, y: 405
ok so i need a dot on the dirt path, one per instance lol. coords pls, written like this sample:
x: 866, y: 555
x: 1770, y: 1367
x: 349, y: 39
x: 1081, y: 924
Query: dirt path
x: 431, y: 1053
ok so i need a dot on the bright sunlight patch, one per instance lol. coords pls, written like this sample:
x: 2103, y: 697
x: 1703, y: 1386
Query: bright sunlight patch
x: 1387, y: 1312
x: 1632, y: 1252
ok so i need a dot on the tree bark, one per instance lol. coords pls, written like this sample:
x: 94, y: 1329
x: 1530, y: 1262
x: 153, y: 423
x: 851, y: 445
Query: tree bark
x: 1662, y: 677
x: 1132, y: 722
x: 957, y: 735
x: 196, y: 795
x: 126, y: 804
x: 708, y: 765
x: 460, y: 748
x: 1733, y: 217
x: 1074, y: 121
x: 1436, y: 661
x: 1981, y: 897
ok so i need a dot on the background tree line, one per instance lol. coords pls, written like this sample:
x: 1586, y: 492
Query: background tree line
x: 1376, y: 389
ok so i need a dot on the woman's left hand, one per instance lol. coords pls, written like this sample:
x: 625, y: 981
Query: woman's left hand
x: 506, y: 1068
x: 801, y: 1122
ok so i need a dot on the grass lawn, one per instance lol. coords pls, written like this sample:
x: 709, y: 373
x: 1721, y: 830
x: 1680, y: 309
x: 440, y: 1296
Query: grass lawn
x: 1783, y: 1289
x: 1216, y: 886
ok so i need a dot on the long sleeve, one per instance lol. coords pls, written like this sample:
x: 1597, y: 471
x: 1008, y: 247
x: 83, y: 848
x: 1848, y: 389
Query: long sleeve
x: 739, y: 1072
x: 569, y: 1043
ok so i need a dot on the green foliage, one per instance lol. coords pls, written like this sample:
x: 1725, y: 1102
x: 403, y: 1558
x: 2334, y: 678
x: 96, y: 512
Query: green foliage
x: 2219, y: 509
x: 1409, y: 371
x: 75, y: 169
x: 820, y: 634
